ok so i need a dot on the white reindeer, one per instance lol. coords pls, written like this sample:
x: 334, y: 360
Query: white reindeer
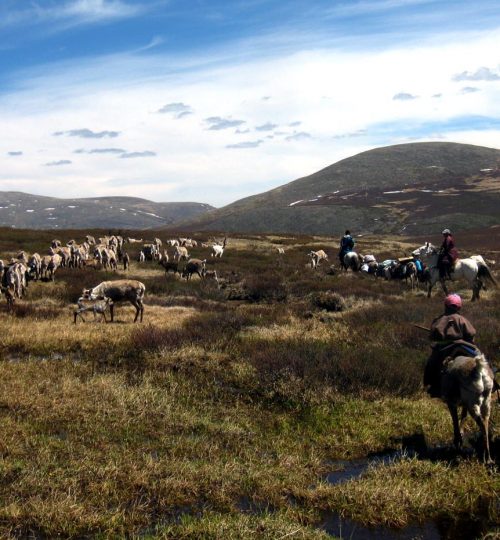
x: 218, y: 249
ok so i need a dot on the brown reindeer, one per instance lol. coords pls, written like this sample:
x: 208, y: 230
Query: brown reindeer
x: 121, y: 290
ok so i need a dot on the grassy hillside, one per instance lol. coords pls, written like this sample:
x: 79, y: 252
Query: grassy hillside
x: 410, y: 188
x: 22, y: 210
x: 284, y: 404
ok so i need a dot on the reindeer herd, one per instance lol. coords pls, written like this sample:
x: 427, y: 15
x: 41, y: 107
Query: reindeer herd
x: 108, y: 253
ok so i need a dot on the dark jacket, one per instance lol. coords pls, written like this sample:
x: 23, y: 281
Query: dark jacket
x: 346, y: 243
x: 452, y: 327
x: 449, y: 252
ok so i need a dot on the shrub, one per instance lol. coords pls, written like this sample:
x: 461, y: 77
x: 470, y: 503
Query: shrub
x: 265, y: 287
x: 213, y: 330
x: 331, y: 301
x: 27, y: 309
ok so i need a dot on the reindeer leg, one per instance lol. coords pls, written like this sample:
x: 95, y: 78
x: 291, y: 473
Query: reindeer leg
x: 457, y: 436
x: 111, y: 312
x: 463, y: 417
x: 137, y: 306
x: 481, y: 417
x: 443, y: 285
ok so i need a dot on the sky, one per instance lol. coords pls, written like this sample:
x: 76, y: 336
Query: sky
x: 211, y: 100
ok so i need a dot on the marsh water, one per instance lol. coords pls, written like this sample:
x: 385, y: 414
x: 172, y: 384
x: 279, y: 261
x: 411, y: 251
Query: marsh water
x: 464, y: 527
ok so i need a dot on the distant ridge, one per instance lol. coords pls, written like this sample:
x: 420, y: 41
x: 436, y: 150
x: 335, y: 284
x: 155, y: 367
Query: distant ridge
x: 405, y: 189
x: 23, y: 210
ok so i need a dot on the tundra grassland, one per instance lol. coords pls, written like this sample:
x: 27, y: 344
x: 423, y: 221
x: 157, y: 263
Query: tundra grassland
x: 223, y: 414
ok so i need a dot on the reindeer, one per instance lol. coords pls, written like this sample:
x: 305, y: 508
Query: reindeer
x: 468, y: 382
x: 316, y: 257
x: 181, y: 253
x: 121, y: 290
x: 351, y: 260
x: 35, y: 266
x: 97, y: 308
x: 169, y: 266
x: 218, y: 249
x: 10, y: 296
x: 126, y: 261
x: 194, y: 266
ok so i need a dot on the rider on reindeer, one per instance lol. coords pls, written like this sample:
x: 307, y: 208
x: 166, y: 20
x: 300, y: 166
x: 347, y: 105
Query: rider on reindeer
x: 346, y: 245
x: 452, y: 335
x: 448, y: 254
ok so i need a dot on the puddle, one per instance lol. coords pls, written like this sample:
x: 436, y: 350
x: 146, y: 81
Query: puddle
x: 249, y: 506
x: 348, y: 470
x: 463, y: 528
x: 413, y: 446
x: 344, y: 528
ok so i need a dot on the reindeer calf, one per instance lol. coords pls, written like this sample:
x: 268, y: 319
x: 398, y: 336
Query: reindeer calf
x: 97, y: 308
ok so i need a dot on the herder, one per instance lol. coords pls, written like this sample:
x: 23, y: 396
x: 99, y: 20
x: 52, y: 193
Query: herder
x: 448, y: 254
x: 346, y: 245
x: 453, y: 335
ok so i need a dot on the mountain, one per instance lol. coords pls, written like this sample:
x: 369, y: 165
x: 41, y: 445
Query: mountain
x: 23, y: 210
x: 407, y: 188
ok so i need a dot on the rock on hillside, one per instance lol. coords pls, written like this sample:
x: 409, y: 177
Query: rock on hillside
x: 408, y: 188
x: 23, y: 210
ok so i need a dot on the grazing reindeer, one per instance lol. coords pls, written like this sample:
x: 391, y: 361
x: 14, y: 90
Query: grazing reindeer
x: 181, y: 253
x: 316, y: 257
x: 98, y: 307
x: 126, y: 261
x: 194, y: 266
x: 218, y: 249
x: 121, y: 290
x: 9, y: 296
x: 468, y: 382
x: 169, y: 265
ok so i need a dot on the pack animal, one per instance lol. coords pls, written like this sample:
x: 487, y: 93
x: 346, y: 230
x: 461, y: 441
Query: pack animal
x: 352, y: 260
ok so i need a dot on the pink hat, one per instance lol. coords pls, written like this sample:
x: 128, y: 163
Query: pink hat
x: 453, y: 300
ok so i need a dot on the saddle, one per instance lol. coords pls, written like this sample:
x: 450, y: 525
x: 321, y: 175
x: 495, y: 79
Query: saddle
x: 457, y: 348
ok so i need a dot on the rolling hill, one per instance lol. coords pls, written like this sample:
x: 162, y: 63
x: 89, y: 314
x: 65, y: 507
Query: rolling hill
x: 411, y: 188
x: 23, y: 210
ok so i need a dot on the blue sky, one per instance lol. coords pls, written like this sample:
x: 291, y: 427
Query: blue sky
x: 213, y: 101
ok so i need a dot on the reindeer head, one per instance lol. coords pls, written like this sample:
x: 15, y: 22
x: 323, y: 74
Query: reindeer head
x: 87, y: 294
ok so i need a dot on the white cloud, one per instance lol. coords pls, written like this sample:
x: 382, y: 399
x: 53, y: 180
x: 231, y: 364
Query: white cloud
x: 116, y: 94
x: 481, y: 74
x: 67, y: 13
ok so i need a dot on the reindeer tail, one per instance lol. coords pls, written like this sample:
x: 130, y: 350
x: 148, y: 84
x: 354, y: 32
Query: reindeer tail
x: 484, y: 272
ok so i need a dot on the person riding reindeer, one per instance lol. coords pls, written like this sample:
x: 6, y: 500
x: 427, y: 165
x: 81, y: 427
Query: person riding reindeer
x: 448, y: 254
x: 452, y: 335
x: 346, y: 245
